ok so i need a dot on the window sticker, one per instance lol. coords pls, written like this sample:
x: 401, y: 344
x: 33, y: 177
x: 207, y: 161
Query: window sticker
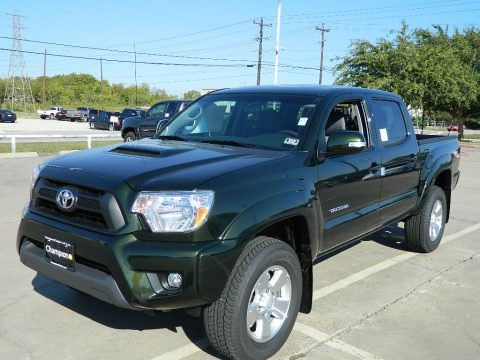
x: 302, y: 121
x: 384, y: 135
x: 291, y: 141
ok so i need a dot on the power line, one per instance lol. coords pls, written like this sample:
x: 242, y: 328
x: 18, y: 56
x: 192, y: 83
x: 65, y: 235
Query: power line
x: 156, y: 63
x: 127, y: 61
x: 409, y: 6
x: 125, y: 51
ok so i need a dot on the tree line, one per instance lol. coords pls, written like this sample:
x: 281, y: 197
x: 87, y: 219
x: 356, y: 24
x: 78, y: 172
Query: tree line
x: 74, y: 90
x: 437, y: 73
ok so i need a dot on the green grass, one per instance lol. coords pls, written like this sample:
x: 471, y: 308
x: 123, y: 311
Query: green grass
x: 55, y: 147
x: 472, y: 136
x: 26, y: 115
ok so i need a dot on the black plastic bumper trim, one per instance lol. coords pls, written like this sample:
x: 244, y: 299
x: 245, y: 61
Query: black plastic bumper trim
x: 85, y: 279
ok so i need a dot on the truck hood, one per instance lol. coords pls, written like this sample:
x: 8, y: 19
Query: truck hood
x: 153, y: 165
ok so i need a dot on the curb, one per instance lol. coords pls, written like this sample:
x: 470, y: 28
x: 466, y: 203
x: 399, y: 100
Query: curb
x: 18, y: 155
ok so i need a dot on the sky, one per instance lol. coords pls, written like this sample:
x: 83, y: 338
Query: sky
x: 196, y: 45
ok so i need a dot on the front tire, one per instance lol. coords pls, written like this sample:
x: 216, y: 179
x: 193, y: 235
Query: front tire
x: 129, y: 136
x: 259, y: 305
x: 424, y: 231
x: 51, y: 116
x: 92, y: 125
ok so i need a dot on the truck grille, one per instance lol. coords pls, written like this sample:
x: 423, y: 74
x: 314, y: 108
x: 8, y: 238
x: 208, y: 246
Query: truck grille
x: 93, y: 208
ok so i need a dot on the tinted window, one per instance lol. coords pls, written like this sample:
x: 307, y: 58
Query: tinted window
x: 390, y: 122
x: 157, y: 110
x: 271, y: 121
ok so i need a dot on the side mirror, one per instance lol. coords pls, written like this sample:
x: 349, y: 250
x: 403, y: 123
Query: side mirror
x: 346, y: 142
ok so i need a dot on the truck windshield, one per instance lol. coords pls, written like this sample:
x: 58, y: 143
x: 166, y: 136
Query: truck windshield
x: 262, y: 120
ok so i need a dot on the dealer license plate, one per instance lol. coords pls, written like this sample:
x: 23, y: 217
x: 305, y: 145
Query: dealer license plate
x: 60, y: 252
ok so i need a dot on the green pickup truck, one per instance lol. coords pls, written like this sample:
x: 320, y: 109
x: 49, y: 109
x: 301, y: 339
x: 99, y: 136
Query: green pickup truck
x: 226, y: 209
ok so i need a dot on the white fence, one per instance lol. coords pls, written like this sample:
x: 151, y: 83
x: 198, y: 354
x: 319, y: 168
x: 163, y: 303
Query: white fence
x: 13, y: 138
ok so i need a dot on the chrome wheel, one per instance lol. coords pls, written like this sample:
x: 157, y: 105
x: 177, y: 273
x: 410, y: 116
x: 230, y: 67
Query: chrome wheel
x: 269, y: 303
x: 436, y: 220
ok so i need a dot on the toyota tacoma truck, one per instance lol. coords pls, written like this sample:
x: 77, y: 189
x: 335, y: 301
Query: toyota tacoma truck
x: 225, y: 210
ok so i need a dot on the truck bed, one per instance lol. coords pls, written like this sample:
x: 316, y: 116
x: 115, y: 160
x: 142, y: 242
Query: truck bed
x: 426, y: 139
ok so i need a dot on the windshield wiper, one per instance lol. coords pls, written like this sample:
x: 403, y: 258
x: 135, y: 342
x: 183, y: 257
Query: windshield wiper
x: 171, y: 137
x: 228, y: 142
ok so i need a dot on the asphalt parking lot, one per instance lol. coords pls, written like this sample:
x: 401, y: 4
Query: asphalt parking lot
x: 375, y: 300
x: 48, y: 127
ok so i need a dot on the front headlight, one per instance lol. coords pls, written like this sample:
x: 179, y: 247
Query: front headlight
x: 181, y: 211
x: 35, y: 173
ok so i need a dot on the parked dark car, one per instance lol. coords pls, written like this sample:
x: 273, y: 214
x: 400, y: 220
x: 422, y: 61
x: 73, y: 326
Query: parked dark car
x: 7, y: 115
x: 93, y: 114
x: 139, y: 127
x: 61, y: 115
x: 102, y: 121
x: 128, y: 112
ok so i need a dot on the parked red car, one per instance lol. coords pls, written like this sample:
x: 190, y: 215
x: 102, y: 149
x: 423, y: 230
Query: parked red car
x: 454, y: 128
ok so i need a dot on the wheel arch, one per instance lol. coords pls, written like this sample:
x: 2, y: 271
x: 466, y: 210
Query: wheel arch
x: 441, y: 178
x: 126, y: 130
x: 294, y: 232
x: 287, y: 217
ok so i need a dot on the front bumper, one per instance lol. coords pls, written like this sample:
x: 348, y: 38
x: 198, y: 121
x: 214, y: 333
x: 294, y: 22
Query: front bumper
x: 119, y: 269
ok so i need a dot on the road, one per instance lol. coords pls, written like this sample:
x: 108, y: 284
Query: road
x: 375, y: 300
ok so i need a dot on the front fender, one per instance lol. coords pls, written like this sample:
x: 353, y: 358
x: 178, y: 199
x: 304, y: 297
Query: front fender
x: 269, y: 211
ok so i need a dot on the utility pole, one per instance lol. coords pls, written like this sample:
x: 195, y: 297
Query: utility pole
x: 18, y: 90
x: 260, y: 41
x: 101, y: 83
x: 136, y: 86
x: 322, y: 44
x: 44, y: 98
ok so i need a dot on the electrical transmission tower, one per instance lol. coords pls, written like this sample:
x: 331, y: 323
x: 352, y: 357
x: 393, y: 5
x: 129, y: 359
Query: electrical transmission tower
x: 323, y: 30
x: 18, y: 91
x: 260, y: 42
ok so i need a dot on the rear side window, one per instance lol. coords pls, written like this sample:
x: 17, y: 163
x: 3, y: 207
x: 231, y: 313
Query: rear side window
x: 389, y: 121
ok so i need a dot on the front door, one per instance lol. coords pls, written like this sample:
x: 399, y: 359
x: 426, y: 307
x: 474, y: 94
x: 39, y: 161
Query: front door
x: 348, y: 186
x: 148, y: 126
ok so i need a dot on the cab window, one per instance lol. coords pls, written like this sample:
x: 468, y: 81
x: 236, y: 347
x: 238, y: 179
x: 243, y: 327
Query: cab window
x: 347, y: 116
x: 389, y: 121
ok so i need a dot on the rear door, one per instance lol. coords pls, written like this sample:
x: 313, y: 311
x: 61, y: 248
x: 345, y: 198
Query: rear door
x: 348, y: 186
x: 399, y: 148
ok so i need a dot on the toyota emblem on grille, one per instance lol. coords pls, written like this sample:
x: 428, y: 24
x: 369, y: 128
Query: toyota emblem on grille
x: 66, y: 199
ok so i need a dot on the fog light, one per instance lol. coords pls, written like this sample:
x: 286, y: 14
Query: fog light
x: 174, y: 280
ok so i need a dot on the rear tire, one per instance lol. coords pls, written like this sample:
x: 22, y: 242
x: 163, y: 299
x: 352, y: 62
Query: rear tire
x: 111, y: 127
x: 92, y: 125
x: 424, y: 231
x: 259, y: 305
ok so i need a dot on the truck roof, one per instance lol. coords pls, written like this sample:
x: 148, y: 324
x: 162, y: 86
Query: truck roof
x: 316, y: 90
